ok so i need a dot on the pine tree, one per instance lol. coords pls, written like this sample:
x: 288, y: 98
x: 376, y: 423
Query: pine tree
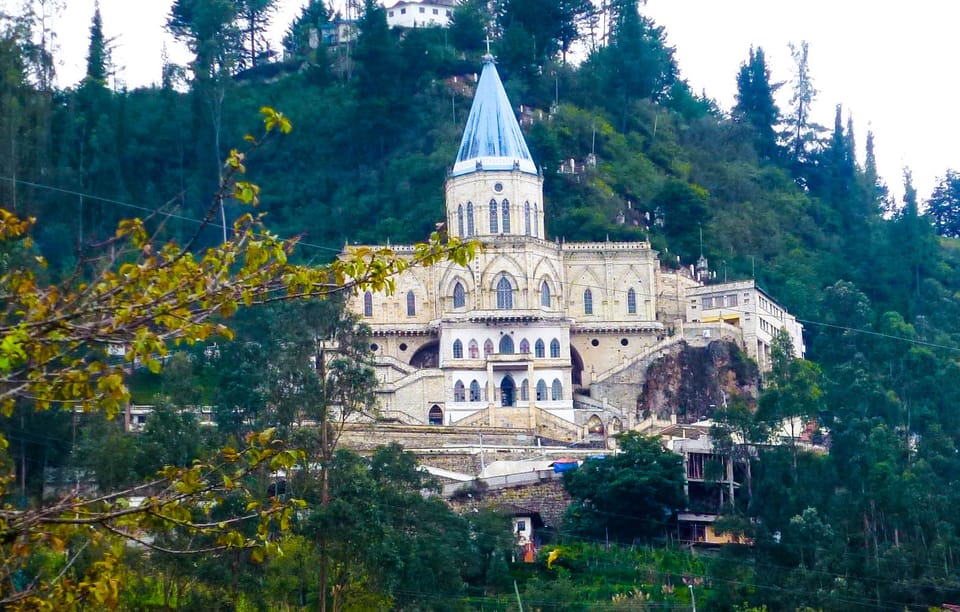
x: 801, y: 132
x: 304, y: 36
x: 755, y: 105
x: 98, y: 54
x: 253, y: 18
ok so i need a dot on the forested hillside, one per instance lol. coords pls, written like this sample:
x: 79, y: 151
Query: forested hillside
x: 627, y: 151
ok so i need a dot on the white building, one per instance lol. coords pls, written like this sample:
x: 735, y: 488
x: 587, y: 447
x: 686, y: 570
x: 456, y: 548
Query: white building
x: 516, y: 338
x: 748, y: 307
x: 420, y: 14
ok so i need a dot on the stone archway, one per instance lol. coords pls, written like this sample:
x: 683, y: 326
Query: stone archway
x: 427, y: 356
x: 435, y: 416
x: 576, y: 367
x: 508, y: 391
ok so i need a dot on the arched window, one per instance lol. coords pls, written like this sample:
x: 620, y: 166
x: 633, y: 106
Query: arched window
x: 474, y: 349
x: 488, y: 348
x: 631, y: 301
x: 504, y: 294
x: 524, y: 391
x: 545, y: 294
x: 506, y: 345
x: 595, y: 425
x: 460, y: 220
x: 368, y: 304
x: 508, y: 391
x: 459, y: 296
x: 506, y: 217
x: 459, y: 393
x: 526, y: 218
x: 457, y: 349
x: 493, y: 217
x: 540, y: 349
x: 536, y: 221
x: 555, y: 349
x: 556, y: 390
x: 474, y: 391
x: 471, y: 230
x: 524, y: 347
x: 587, y: 302
x: 541, y: 391
x: 411, y: 304
x: 435, y: 416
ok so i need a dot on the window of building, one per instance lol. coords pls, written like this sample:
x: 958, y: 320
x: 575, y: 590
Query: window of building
x: 536, y: 222
x: 732, y: 301
x: 541, y: 391
x: 506, y: 345
x: 707, y: 302
x: 411, y: 304
x: 460, y: 221
x: 459, y: 393
x: 436, y: 11
x: 390, y: 13
x: 508, y: 391
x: 539, y: 349
x: 423, y: 9
x: 435, y: 416
x: 631, y: 301
x: 524, y: 347
x: 368, y: 304
x: 488, y: 348
x: 504, y: 294
x: 555, y: 349
x: 471, y: 230
x: 459, y: 295
x: 556, y: 390
x: 474, y: 349
x: 493, y: 217
x: 457, y: 349
x: 474, y: 391
x: 526, y: 218
x: 588, y: 302
x: 524, y: 391
x: 403, y: 11
x: 506, y: 217
x: 448, y: 12
x: 545, y: 294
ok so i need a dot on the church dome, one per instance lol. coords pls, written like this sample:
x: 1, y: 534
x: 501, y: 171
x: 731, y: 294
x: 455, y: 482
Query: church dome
x: 492, y: 139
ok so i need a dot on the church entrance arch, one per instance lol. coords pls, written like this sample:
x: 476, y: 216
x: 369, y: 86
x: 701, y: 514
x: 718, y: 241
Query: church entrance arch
x: 427, y: 356
x: 508, y: 391
x: 576, y: 367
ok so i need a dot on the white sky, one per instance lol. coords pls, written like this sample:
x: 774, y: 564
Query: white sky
x: 892, y: 64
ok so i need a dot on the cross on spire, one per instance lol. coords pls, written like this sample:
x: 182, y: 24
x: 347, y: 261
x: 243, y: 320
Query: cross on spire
x: 488, y: 41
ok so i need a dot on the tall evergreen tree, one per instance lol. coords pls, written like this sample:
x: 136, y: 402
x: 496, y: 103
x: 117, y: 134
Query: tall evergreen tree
x: 98, y: 54
x: 755, y: 105
x: 801, y: 133
x: 944, y: 205
x: 253, y: 18
x: 304, y: 36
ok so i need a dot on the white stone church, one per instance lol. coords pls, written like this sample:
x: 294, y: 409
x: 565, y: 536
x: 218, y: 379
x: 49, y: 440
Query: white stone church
x: 528, y: 334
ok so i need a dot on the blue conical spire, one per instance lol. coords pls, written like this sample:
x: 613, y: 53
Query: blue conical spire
x: 492, y: 139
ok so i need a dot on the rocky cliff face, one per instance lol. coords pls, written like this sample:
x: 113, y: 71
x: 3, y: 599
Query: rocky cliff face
x: 692, y: 382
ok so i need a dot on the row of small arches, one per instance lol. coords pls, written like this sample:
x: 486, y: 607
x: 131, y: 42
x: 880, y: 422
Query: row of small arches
x: 499, y: 222
x: 508, y: 389
x: 504, y: 290
x: 506, y: 348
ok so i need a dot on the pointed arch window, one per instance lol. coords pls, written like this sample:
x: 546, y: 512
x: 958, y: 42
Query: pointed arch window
x: 524, y: 347
x: 459, y: 295
x: 368, y: 304
x: 488, y: 348
x: 459, y: 392
x: 588, y: 302
x: 524, y: 391
x: 494, y: 228
x: 471, y: 229
x: 545, y: 294
x: 541, y: 391
x: 556, y: 390
x: 555, y: 349
x: 474, y: 391
x: 536, y: 221
x: 411, y: 304
x: 506, y: 345
x: 508, y: 391
x: 460, y: 220
x: 435, y: 416
x: 526, y: 218
x: 504, y: 294
x: 539, y: 349
x: 457, y: 349
x: 631, y: 301
x: 506, y: 216
x: 474, y: 350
